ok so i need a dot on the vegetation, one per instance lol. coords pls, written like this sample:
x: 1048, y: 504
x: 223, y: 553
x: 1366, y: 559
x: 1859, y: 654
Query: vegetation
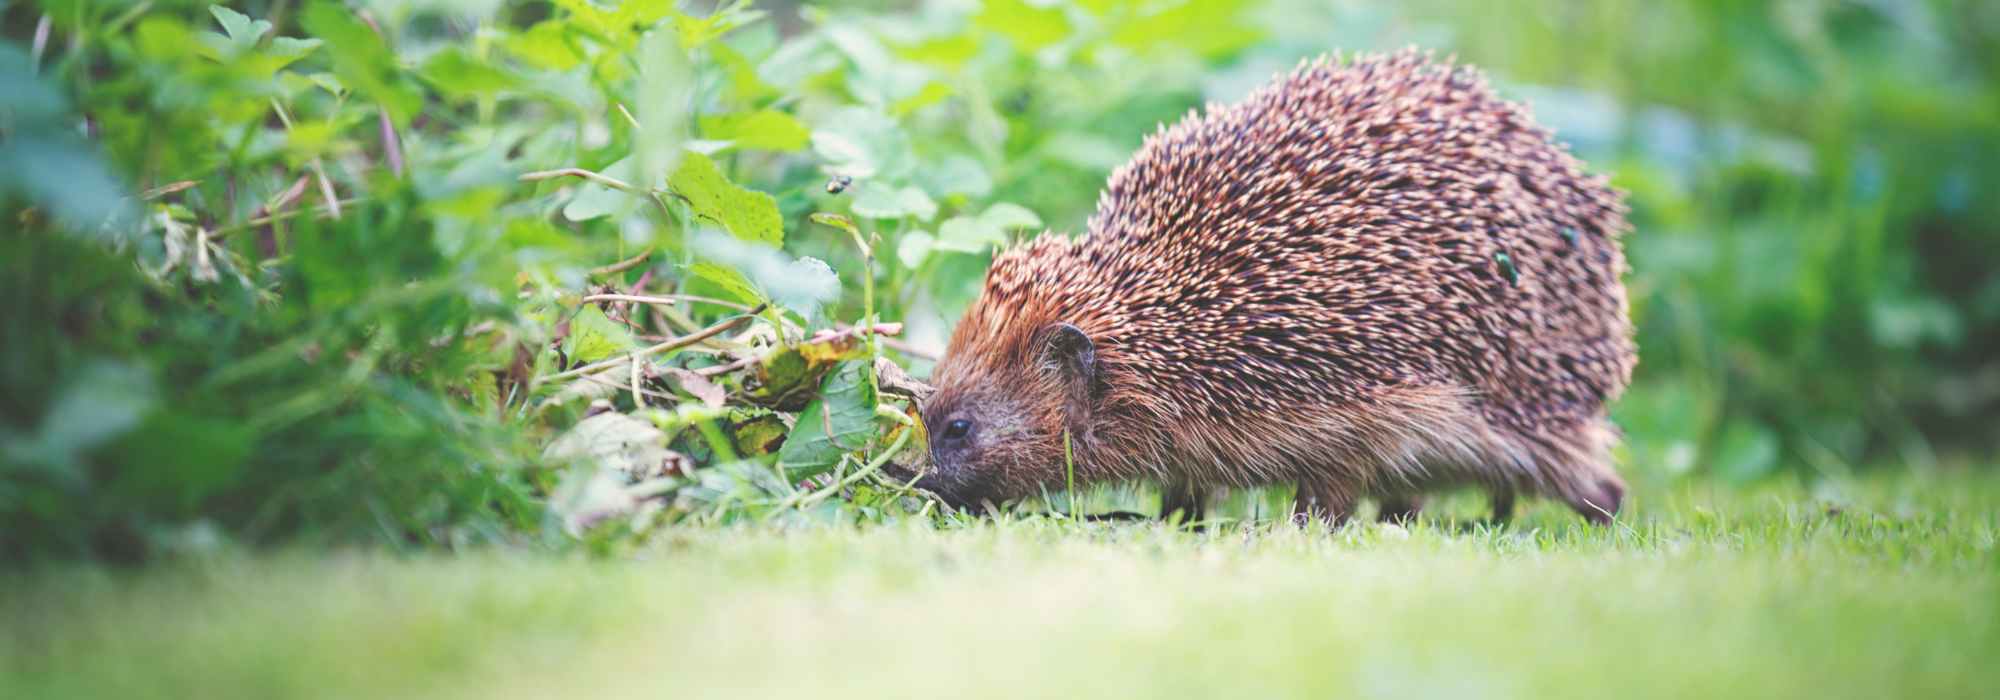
x: 482, y: 348
x: 445, y: 273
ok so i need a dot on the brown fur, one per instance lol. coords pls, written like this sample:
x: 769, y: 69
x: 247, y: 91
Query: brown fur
x: 1364, y: 279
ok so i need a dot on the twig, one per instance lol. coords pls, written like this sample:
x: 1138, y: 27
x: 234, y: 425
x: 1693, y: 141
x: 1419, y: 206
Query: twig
x: 731, y: 367
x: 668, y: 299
x: 280, y: 216
x: 615, y: 385
x: 622, y: 265
x: 599, y: 178
x: 392, y: 148
x: 637, y: 400
x: 167, y: 189
x: 911, y: 350
x: 41, y: 44
x: 675, y: 344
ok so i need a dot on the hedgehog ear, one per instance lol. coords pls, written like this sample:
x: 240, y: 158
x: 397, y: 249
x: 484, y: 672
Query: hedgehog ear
x: 1074, y: 358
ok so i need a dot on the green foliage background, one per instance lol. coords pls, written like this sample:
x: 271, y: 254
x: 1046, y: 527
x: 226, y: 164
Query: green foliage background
x: 195, y: 345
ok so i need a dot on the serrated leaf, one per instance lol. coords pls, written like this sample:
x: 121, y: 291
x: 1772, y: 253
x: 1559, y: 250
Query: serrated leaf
x: 242, y: 31
x: 840, y: 420
x: 593, y: 336
x: 766, y: 129
x: 879, y: 201
x: 747, y: 214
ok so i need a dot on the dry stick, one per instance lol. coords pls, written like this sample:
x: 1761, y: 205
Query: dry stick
x: 674, y: 344
x: 731, y: 367
x: 667, y: 300
x: 622, y: 265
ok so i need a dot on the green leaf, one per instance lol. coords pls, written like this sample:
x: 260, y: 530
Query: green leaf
x: 1210, y: 28
x: 243, y: 32
x: 363, y: 61
x: 879, y: 201
x: 105, y: 399
x: 765, y: 129
x: 747, y: 214
x: 593, y: 200
x: 545, y: 45
x: 914, y: 247
x: 727, y: 282
x: 1029, y: 27
x: 593, y: 336
x: 968, y: 234
x: 840, y: 420
x: 860, y: 142
x: 459, y: 75
x: 1010, y: 216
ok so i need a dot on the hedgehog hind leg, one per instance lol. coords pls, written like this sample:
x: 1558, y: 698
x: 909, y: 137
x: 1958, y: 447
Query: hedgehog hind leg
x: 1183, y: 502
x: 1322, y: 501
x: 1399, y: 508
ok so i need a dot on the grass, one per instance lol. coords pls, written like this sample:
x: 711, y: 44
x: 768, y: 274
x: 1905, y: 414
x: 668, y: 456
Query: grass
x: 1888, y: 588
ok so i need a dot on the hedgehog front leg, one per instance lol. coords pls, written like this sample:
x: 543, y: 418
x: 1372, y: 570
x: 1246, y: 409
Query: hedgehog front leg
x: 1503, y: 504
x: 1322, y: 501
x: 1183, y: 502
x: 1400, y: 508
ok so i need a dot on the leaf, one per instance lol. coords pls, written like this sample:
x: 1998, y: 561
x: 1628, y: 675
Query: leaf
x: 968, y: 234
x: 103, y: 400
x: 766, y: 129
x: 914, y: 247
x: 728, y: 282
x: 1210, y: 28
x: 363, y: 61
x: 593, y: 200
x: 544, y: 45
x: 459, y: 75
x: 840, y: 420
x: 1009, y: 216
x: 1029, y: 27
x: 878, y: 201
x: 787, y: 378
x: 241, y: 31
x: 593, y: 336
x: 697, y: 386
x: 747, y: 214
x: 630, y: 446
x: 860, y: 142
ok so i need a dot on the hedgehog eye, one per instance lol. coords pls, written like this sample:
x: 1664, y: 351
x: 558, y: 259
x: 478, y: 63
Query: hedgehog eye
x: 957, y: 429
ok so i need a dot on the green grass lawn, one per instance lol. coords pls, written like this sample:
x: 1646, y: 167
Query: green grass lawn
x: 1881, y: 589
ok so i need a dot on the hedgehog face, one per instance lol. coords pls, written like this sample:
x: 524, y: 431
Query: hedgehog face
x: 997, y: 431
x: 984, y: 446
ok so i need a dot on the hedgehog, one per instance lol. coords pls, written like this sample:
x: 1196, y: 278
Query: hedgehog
x: 1367, y: 279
